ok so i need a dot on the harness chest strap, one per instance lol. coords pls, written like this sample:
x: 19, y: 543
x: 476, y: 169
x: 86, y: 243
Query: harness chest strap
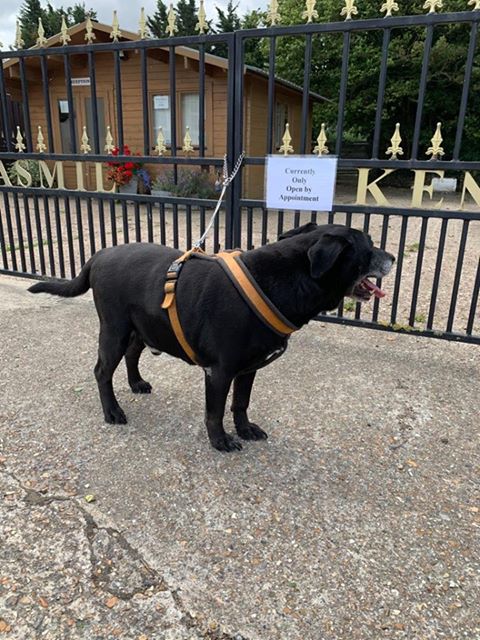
x: 245, y: 285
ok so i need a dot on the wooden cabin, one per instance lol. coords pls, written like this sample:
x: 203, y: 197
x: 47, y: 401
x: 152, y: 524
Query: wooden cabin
x: 288, y: 102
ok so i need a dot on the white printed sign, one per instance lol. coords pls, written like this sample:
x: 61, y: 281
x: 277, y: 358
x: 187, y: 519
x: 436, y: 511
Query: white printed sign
x: 300, y: 182
x: 160, y: 102
x: 81, y: 82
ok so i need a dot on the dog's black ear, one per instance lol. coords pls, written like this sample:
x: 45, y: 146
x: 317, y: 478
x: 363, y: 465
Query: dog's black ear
x: 305, y: 228
x: 324, y: 253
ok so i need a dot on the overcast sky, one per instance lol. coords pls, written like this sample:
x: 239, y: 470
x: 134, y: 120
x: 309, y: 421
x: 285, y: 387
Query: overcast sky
x: 128, y: 12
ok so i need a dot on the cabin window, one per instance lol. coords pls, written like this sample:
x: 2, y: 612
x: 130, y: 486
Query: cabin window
x: 281, y: 119
x: 190, y: 105
x: 161, y: 117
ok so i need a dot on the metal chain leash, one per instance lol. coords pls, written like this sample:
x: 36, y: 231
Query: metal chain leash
x: 227, y: 179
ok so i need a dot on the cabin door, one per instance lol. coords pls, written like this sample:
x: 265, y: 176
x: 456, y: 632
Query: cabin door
x: 83, y: 105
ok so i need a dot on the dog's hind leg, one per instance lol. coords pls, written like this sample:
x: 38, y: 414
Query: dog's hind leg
x: 132, y: 356
x: 217, y: 386
x: 112, y: 345
x: 242, y: 388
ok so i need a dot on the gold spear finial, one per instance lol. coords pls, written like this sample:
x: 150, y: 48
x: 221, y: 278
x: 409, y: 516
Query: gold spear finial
x: 349, y: 9
x: 109, y: 146
x: 389, y: 6
x: 89, y: 33
x: 161, y: 147
x: 286, y: 147
x: 475, y: 4
x: 187, y: 142
x: 273, y: 14
x: 41, y: 146
x: 19, y: 146
x: 432, y: 5
x: 321, y: 148
x: 436, y: 149
x: 172, y: 21
x: 19, y: 41
x: 310, y: 12
x: 115, y: 33
x: 201, y: 25
x: 142, y: 25
x: 41, y: 40
x: 395, y: 149
x: 64, y: 35
x: 85, y: 146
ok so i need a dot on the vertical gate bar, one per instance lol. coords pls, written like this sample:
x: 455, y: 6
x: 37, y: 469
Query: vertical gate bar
x: 201, y: 110
x: 138, y: 230
x: 71, y: 105
x: 238, y: 140
x: 271, y: 94
x: 306, y: 93
x: 59, y: 232
x: 458, y: 275
x: 48, y: 225
x: 113, y: 222
x: 173, y: 107
x: 126, y: 234
x: 473, y: 306
x: 381, y: 93
x: 79, y: 217
x: 313, y: 217
x: 436, y: 278
x: 280, y: 223
x: 202, y: 220
x: 163, y: 239
x: 28, y: 224
x: 331, y: 215
x: 11, y: 237
x: 68, y: 224
x: 149, y: 222
x: 3, y: 244
x: 101, y: 223
x: 366, y: 228
x: 422, y: 90
x: 249, y: 228
x: 6, y: 123
x: 18, y: 223
x: 93, y: 97
x: 118, y: 97
x: 296, y: 219
x: 175, y: 225
x: 230, y: 210
x: 38, y: 226
x: 465, y: 90
x: 383, y: 244
x: 146, y: 123
x: 26, y: 105
x: 264, y: 226
x: 418, y: 271
x: 91, y: 227
x: 188, y: 214
x: 398, y: 273
x: 343, y: 93
x: 46, y: 102
x: 216, y: 234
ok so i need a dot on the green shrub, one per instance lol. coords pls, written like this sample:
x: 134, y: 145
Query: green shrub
x: 31, y: 166
x: 191, y: 183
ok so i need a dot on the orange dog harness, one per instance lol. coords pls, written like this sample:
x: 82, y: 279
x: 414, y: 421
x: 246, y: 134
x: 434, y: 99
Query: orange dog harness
x: 245, y: 284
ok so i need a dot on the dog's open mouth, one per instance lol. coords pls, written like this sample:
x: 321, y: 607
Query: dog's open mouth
x: 365, y: 289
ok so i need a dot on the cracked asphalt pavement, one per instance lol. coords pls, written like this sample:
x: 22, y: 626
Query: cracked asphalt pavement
x: 358, y: 519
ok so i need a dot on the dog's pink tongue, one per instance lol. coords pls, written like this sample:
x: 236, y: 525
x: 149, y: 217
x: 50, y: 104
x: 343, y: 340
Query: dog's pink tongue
x: 377, y: 292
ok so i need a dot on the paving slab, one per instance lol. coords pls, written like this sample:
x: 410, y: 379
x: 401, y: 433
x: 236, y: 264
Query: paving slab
x: 359, y: 518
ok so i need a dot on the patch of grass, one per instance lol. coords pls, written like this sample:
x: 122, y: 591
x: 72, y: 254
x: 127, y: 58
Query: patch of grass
x: 412, y: 248
x: 349, y: 305
x: 421, y: 318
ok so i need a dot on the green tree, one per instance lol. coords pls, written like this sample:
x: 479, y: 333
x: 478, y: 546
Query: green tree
x: 187, y: 17
x: 32, y: 10
x: 255, y: 51
x: 227, y: 22
x: 158, y: 22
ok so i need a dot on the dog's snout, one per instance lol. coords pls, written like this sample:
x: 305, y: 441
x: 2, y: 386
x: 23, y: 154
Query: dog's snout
x: 391, y: 257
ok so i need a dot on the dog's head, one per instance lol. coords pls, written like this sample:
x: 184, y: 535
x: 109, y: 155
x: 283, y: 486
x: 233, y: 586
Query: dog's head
x: 346, y: 258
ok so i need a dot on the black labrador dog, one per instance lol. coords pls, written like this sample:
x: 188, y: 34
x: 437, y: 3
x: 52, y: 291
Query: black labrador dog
x: 310, y: 269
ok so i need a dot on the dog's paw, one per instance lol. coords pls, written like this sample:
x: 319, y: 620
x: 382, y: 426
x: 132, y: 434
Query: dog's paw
x: 251, y: 432
x: 226, y: 442
x: 115, y: 415
x: 141, y: 387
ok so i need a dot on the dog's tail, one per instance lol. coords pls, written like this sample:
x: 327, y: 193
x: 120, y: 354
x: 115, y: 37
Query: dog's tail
x: 68, y: 288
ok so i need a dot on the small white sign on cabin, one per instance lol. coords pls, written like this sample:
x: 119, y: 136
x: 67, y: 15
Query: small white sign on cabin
x: 81, y: 82
x: 160, y: 102
x: 301, y: 182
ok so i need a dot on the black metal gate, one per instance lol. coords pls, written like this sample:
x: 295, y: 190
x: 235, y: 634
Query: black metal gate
x: 384, y: 182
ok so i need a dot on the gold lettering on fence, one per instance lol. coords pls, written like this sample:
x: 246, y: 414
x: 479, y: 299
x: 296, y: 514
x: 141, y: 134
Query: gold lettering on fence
x: 99, y: 180
x: 4, y: 175
x: 470, y: 186
x: 79, y: 166
x: 22, y: 173
x: 419, y: 188
x: 363, y: 187
x: 50, y: 176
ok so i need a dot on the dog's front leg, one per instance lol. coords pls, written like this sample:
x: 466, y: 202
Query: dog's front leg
x: 217, y: 386
x: 242, y: 388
